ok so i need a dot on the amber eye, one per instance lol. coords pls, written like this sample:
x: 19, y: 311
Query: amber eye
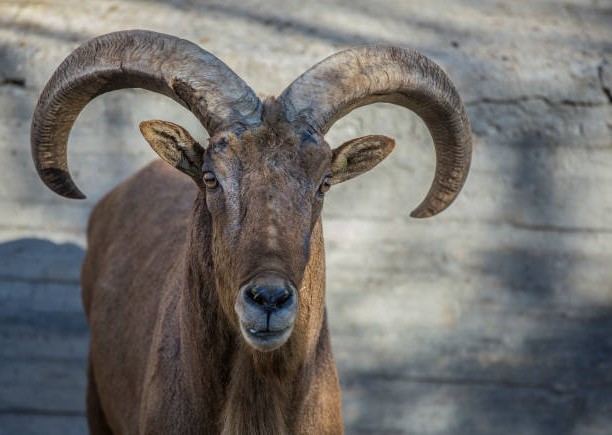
x: 210, y: 181
x: 325, y: 185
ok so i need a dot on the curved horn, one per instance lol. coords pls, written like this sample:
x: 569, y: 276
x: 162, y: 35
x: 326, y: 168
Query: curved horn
x: 371, y: 74
x: 157, y: 62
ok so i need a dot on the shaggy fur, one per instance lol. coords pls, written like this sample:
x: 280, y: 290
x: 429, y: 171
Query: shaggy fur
x: 159, y: 284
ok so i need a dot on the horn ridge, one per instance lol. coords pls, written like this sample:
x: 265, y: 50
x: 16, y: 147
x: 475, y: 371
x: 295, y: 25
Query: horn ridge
x: 382, y: 73
x: 154, y: 61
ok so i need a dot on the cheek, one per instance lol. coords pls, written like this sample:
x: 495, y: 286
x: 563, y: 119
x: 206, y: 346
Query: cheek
x: 224, y: 267
x: 317, y: 206
x: 225, y: 207
x: 310, y: 219
x: 225, y: 215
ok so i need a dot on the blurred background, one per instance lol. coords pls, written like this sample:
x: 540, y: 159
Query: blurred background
x: 494, y: 317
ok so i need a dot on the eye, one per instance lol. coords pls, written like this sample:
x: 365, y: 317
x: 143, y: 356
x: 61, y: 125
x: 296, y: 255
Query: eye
x: 325, y: 185
x: 210, y: 181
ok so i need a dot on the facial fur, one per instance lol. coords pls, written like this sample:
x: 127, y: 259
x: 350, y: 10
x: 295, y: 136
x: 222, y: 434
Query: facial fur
x: 263, y: 208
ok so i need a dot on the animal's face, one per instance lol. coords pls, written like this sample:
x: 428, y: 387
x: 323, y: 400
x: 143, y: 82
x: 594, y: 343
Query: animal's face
x: 264, y: 191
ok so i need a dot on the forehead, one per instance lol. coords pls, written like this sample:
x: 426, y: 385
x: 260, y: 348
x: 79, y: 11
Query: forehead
x: 270, y: 148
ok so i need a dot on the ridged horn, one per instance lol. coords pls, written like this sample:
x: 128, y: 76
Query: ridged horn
x: 378, y: 73
x: 157, y: 62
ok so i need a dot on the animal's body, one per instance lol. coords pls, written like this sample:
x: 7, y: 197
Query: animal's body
x: 174, y: 350
x: 205, y: 293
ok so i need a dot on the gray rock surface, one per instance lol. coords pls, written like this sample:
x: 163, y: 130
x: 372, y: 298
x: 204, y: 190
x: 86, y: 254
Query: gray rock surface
x: 492, y: 318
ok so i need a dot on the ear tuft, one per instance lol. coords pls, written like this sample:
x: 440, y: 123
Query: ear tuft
x: 359, y: 155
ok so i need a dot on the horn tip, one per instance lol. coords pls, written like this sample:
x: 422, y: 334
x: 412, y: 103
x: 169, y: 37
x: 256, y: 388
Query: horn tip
x: 73, y: 193
x: 77, y: 195
x: 60, y: 181
x: 425, y: 211
x: 420, y: 214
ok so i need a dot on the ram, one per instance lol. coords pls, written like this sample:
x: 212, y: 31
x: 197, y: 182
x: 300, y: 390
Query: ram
x: 205, y: 293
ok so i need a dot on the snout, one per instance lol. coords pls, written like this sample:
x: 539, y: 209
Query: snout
x: 266, y: 307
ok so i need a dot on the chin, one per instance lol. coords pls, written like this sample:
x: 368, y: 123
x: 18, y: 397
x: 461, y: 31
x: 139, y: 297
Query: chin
x: 266, y: 340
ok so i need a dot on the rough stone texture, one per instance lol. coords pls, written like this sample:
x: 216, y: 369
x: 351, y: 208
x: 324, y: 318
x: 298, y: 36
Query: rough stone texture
x: 492, y: 318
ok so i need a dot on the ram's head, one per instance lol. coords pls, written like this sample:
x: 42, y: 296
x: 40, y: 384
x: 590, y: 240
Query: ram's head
x: 267, y: 166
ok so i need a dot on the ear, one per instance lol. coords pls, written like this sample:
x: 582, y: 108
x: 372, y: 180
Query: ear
x: 359, y: 155
x: 175, y: 145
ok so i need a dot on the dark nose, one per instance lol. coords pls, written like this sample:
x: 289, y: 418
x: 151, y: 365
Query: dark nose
x: 269, y: 292
x: 271, y: 298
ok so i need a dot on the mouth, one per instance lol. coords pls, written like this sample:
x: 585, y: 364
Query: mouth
x: 266, y: 307
x: 266, y: 340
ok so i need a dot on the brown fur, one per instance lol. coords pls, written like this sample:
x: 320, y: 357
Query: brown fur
x: 172, y: 360
x: 160, y: 279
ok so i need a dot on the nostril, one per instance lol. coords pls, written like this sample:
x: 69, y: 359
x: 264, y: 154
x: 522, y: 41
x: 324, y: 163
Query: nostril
x: 268, y: 297
x: 278, y: 297
x: 284, y: 297
x: 254, y: 294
